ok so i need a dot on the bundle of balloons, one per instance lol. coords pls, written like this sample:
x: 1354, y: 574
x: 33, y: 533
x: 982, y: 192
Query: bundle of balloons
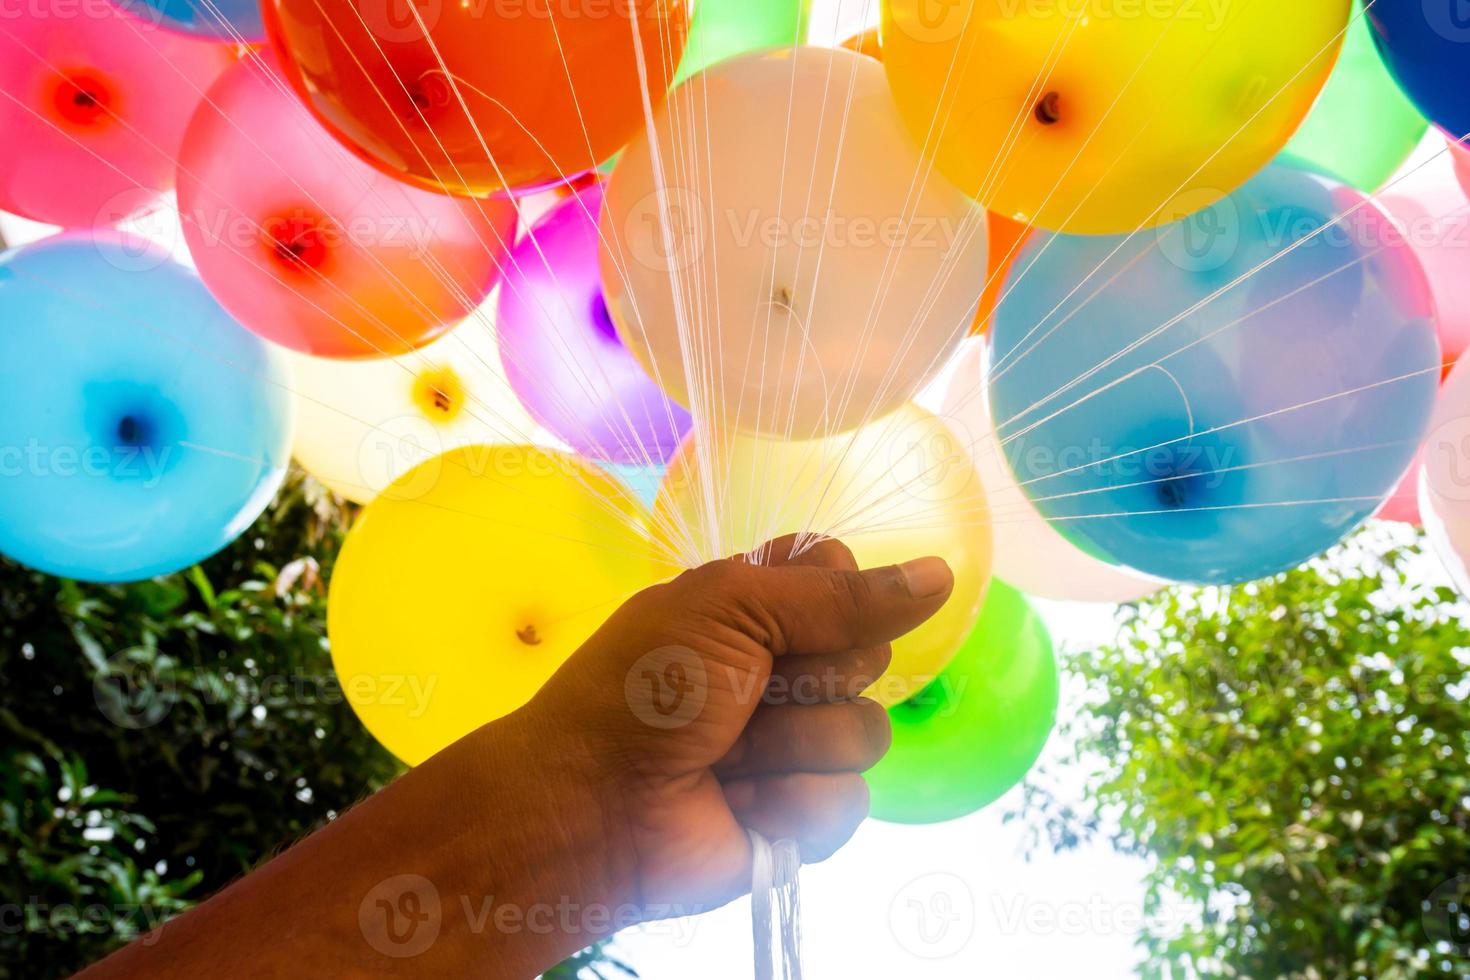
x: 571, y: 295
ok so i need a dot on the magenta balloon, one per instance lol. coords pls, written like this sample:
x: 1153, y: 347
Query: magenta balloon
x: 94, y: 104
x: 562, y: 353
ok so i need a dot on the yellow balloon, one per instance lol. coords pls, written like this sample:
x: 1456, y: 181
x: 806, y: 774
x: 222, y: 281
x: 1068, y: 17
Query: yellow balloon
x: 1106, y: 116
x: 363, y: 424
x: 457, y: 595
x: 898, y: 488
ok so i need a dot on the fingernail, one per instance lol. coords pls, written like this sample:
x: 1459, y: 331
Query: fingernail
x: 926, y: 577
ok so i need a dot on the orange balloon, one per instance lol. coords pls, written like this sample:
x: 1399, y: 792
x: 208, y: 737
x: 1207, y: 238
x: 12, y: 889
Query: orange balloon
x: 1006, y: 237
x: 471, y: 98
x: 865, y: 43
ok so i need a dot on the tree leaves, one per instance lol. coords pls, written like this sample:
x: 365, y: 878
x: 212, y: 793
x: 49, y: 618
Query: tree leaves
x: 1302, y: 742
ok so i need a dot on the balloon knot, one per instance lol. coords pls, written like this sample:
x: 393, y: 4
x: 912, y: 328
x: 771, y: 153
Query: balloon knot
x: 1048, y: 109
x: 529, y: 636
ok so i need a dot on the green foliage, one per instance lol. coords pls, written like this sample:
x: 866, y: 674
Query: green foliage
x: 163, y: 737
x: 1292, y: 756
x: 159, y: 739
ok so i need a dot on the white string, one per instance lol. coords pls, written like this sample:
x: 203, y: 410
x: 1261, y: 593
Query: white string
x: 775, y: 871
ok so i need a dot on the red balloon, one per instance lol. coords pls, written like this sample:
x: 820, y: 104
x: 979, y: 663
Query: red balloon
x: 482, y: 95
x: 308, y: 246
x: 93, y: 103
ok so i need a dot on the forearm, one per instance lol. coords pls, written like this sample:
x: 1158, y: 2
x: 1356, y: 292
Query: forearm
x: 493, y: 859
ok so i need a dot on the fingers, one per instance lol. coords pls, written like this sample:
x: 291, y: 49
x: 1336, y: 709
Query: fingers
x: 849, y: 736
x: 829, y: 676
x: 826, y: 676
x: 819, y: 811
x: 806, y: 610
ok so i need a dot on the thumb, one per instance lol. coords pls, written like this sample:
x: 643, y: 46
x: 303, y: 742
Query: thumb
x: 811, y: 610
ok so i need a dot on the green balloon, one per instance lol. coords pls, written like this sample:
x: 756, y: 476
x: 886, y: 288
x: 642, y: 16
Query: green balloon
x: 976, y: 730
x: 722, y: 29
x: 1362, y: 127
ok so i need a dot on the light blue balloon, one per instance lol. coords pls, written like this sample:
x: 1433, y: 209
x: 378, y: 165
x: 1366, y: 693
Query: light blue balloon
x: 1256, y: 430
x: 141, y: 428
x: 643, y: 480
x: 224, y: 20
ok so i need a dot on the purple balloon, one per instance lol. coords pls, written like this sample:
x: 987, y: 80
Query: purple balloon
x: 562, y: 353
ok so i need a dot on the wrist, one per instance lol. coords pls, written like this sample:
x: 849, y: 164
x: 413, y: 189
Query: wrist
x: 558, y: 858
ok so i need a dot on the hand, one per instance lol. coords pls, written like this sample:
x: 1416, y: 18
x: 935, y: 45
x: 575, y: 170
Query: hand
x: 725, y: 699
x: 729, y: 698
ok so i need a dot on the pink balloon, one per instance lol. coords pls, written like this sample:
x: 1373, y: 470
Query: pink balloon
x: 1403, y: 504
x: 310, y: 247
x: 1444, y: 485
x: 1430, y: 209
x: 93, y: 103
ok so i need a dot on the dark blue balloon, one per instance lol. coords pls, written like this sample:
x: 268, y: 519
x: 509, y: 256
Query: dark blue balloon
x: 141, y: 428
x: 1222, y: 398
x: 225, y: 20
x: 1426, y: 45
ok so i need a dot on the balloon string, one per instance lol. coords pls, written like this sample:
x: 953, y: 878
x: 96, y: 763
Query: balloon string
x: 775, y: 889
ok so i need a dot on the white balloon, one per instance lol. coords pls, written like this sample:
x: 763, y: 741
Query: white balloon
x: 1444, y: 482
x: 785, y: 263
x: 362, y: 424
x: 1029, y: 553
